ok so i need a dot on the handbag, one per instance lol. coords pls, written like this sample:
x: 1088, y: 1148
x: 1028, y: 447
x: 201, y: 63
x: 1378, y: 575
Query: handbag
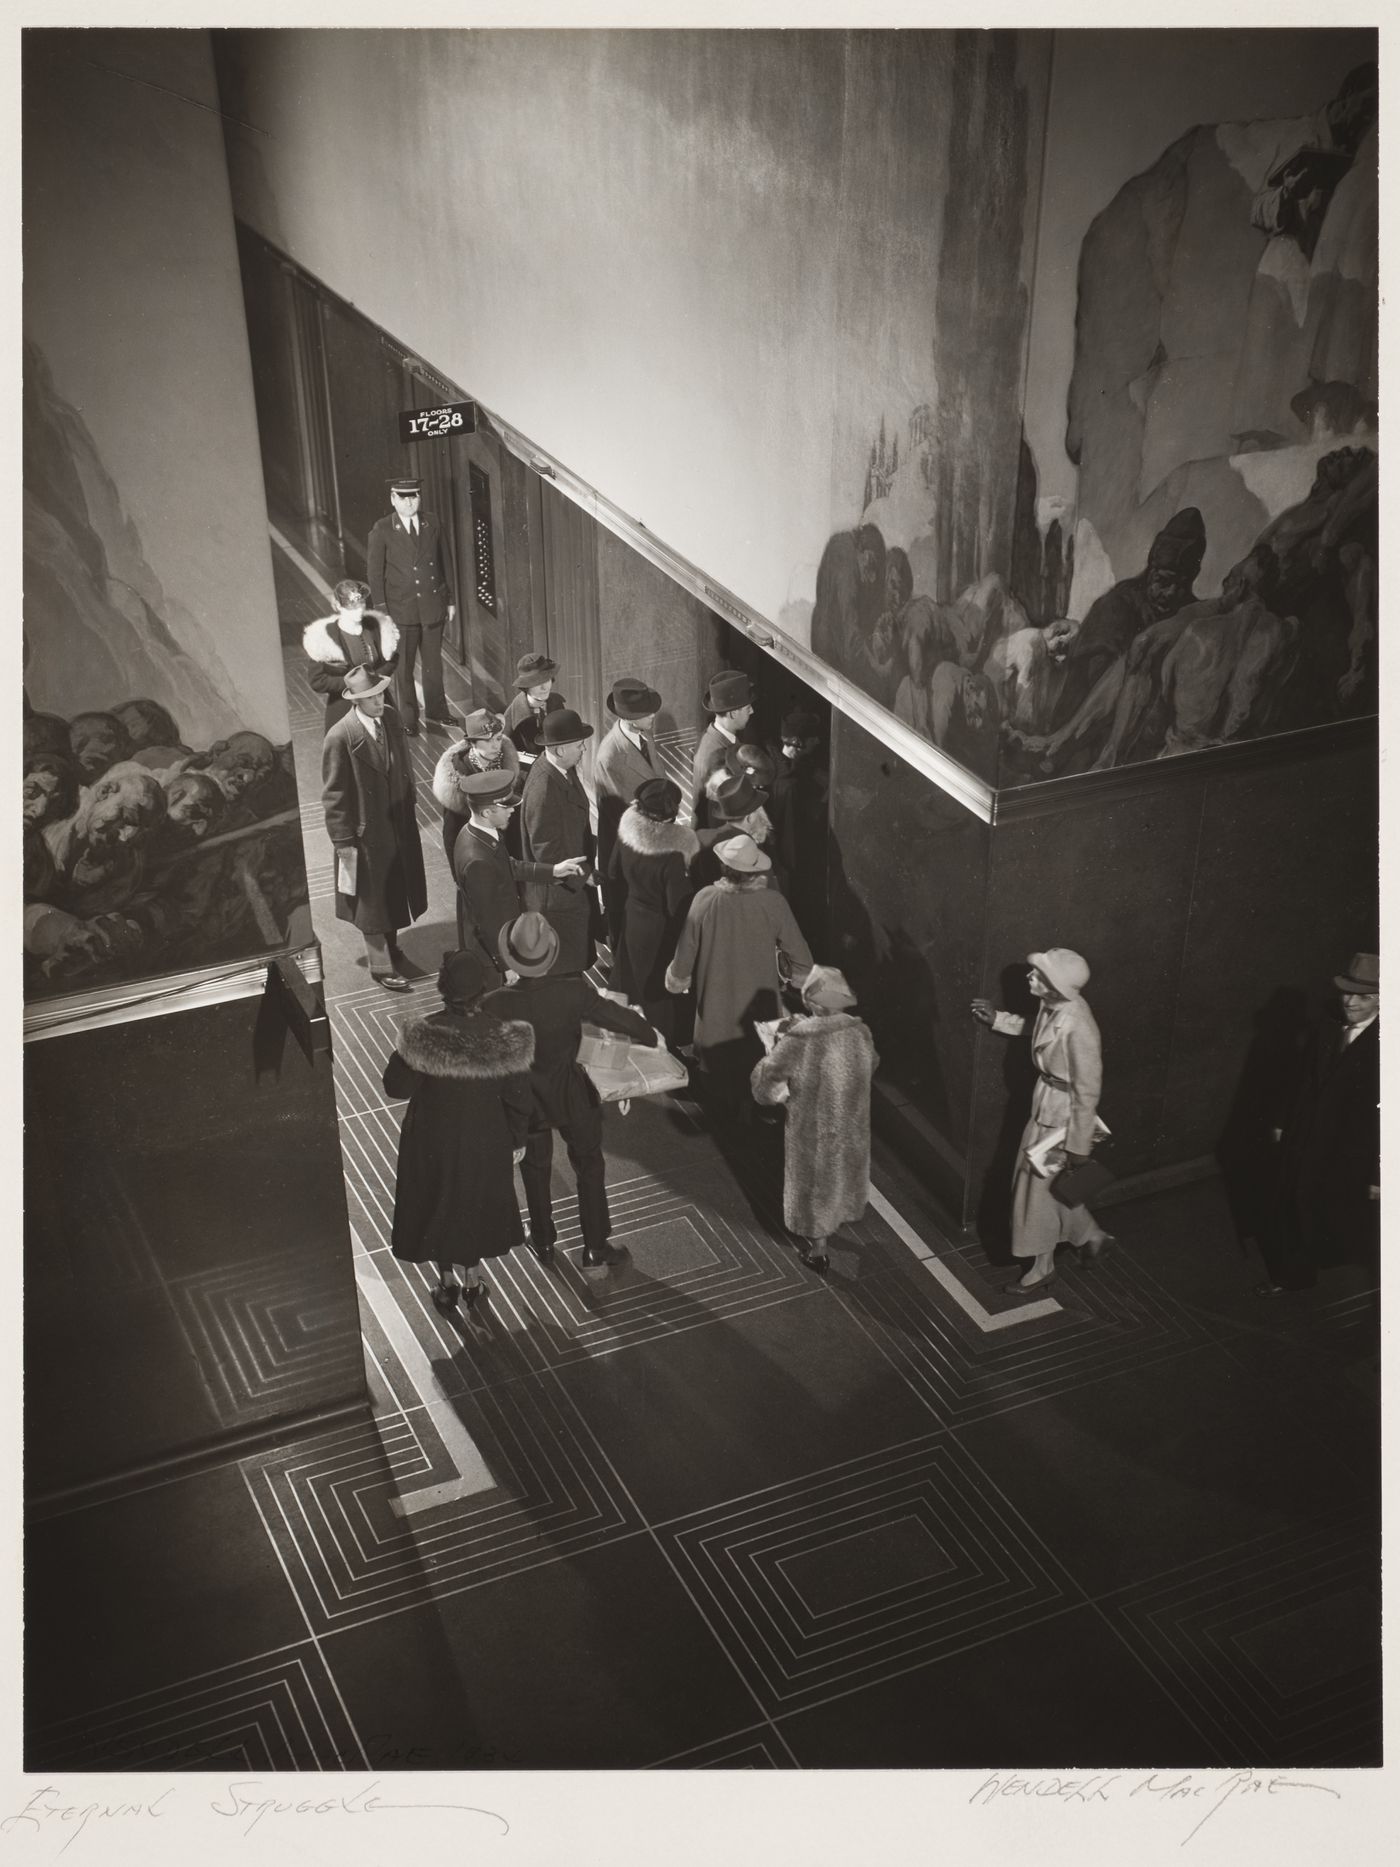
x: 1080, y: 1186
x: 620, y: 1070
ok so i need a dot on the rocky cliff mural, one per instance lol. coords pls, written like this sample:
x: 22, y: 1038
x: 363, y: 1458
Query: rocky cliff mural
x: 160, y: 832
x: 1218, y: 579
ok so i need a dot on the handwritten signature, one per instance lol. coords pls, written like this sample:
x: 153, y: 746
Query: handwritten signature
x: 246, y: 1802
x: 1185, y: 1790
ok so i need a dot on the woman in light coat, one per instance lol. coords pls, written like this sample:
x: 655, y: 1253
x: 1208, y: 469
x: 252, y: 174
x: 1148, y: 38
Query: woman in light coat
x: 1069, y: 1061
x: 820, y: 1067
x: 728, y: 948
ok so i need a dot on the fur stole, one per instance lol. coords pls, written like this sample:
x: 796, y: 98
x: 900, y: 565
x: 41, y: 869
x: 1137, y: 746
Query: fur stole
x: 649, y: 838
x: 454, y: 765
x: 320, y: 645
x: 813, y: 1024
x: 476, y: 1046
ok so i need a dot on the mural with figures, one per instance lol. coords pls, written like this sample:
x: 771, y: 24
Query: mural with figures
x: 161, y: 830
x: 1212, y: 577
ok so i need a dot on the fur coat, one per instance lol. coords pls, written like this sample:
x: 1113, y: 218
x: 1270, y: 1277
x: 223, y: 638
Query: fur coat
x: 466, y: 1077
x: 331, y: 654
x: 650, y: 866
x: 455, y: 765
x: 826, y: 1061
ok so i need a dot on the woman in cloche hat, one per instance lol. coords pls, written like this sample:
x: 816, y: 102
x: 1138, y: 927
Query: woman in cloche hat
x: 466, y: 1077
x: 1069, y: 1059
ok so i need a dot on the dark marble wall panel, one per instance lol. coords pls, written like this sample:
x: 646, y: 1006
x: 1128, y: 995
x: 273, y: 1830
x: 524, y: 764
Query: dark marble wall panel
x: 188, y: 1269
x: 1111, y: 878
x: 653, y: 628
x: 1285, y: 892
x: 907, y: 880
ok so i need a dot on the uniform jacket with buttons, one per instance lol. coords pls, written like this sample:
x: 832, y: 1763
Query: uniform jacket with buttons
x: 408, y: 572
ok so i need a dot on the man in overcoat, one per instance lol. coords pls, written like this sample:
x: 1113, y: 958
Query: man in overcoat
x: 626, y: 758
x: 368, y: 789
x: 555, y: 1008
x: 554, y: 828
x: 488, y: 877
x: 1329, y: 1143
x: 409, y: 576
x: 729, y: 702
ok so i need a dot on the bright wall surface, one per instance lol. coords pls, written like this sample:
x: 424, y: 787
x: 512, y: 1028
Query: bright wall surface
x: 718, y: 274
x: 160, y: 808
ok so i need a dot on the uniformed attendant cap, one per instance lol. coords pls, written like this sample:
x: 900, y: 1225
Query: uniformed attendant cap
x: 405, y: 484
x: 487, y: 787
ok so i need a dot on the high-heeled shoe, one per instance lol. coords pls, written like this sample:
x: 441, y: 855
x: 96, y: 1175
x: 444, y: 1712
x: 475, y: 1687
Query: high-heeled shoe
x: 473, y: 1294
x: 814, y: 1258
x: 1095, y: 1247
x: 1030, y: 1290
x: 446, y: 1298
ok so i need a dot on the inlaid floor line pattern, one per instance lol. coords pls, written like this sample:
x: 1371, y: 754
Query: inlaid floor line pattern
x: 745, y: 1749
x: 352, y: 1560
x: 997, y: 1577
x: 1187, y: 1628
x: 266, y: 1712
x: 1108, y: 1323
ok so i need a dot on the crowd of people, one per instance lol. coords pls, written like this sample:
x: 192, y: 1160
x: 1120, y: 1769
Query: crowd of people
x: 710, y: 957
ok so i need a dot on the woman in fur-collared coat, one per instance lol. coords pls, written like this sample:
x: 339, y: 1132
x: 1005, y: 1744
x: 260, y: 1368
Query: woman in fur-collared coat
x: 482, y: 747
x: 650, y: 865
x: 466, y: 1077
x: 354, y: 637
x: 821, y: 1067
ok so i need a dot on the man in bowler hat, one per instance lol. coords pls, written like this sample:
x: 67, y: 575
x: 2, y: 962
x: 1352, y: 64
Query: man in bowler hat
x: 729, y: 702
x: 554, y: 827
x: 409, y: 577
x: 626, y: 757
x: 1329, y: 1143
x: 488, y: 878
x: 368, y: 790
x: 555, y: 1007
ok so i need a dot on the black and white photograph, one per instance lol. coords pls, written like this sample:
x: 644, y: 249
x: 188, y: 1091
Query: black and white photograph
x: 702, y: 732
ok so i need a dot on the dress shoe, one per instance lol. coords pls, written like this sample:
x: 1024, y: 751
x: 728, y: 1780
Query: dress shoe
x: 1030, y: 1290
x: 391, y: 981
x: 1095, y: 1247
x: 412, y: 730
x: 814, y: 1259
x: 472, y: 1294
x: 605, y: 1254
x: 447, y: 1296
x: 544, y: 1251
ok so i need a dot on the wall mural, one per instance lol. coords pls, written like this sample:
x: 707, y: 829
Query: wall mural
x: 159, y: 832
x: 1218, y: 578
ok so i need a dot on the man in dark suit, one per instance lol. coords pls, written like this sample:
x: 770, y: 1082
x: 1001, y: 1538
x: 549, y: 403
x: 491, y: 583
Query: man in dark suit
x: 368, y: 789
x: 555, y: 1008
x: 729, y: 702
x: 409, y: 577
x: 488, y: 877
x: 554, y: 827
x: 626, y: 757
x: 1330, y: 1142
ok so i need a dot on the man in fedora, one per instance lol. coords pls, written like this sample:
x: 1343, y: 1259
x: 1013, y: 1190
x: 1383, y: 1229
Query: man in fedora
x: 488, y: 878
x: 1329, y: 1144
x: 555, y: 1007
x: 368, y: 789
x: 736, y: 808
x: 554, y: 828
x: 625, y: 759
x: 729, y: 702
x: 534, y: 699
x: 409, y: 577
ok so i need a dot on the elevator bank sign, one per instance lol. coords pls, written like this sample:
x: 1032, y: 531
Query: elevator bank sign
x: 421, y: 424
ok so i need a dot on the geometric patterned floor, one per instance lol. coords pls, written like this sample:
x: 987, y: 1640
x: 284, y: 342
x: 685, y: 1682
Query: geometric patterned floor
x: 710, y: 1511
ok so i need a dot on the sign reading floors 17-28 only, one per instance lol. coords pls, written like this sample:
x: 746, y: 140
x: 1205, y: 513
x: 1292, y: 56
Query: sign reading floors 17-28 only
x: 421, y: 424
